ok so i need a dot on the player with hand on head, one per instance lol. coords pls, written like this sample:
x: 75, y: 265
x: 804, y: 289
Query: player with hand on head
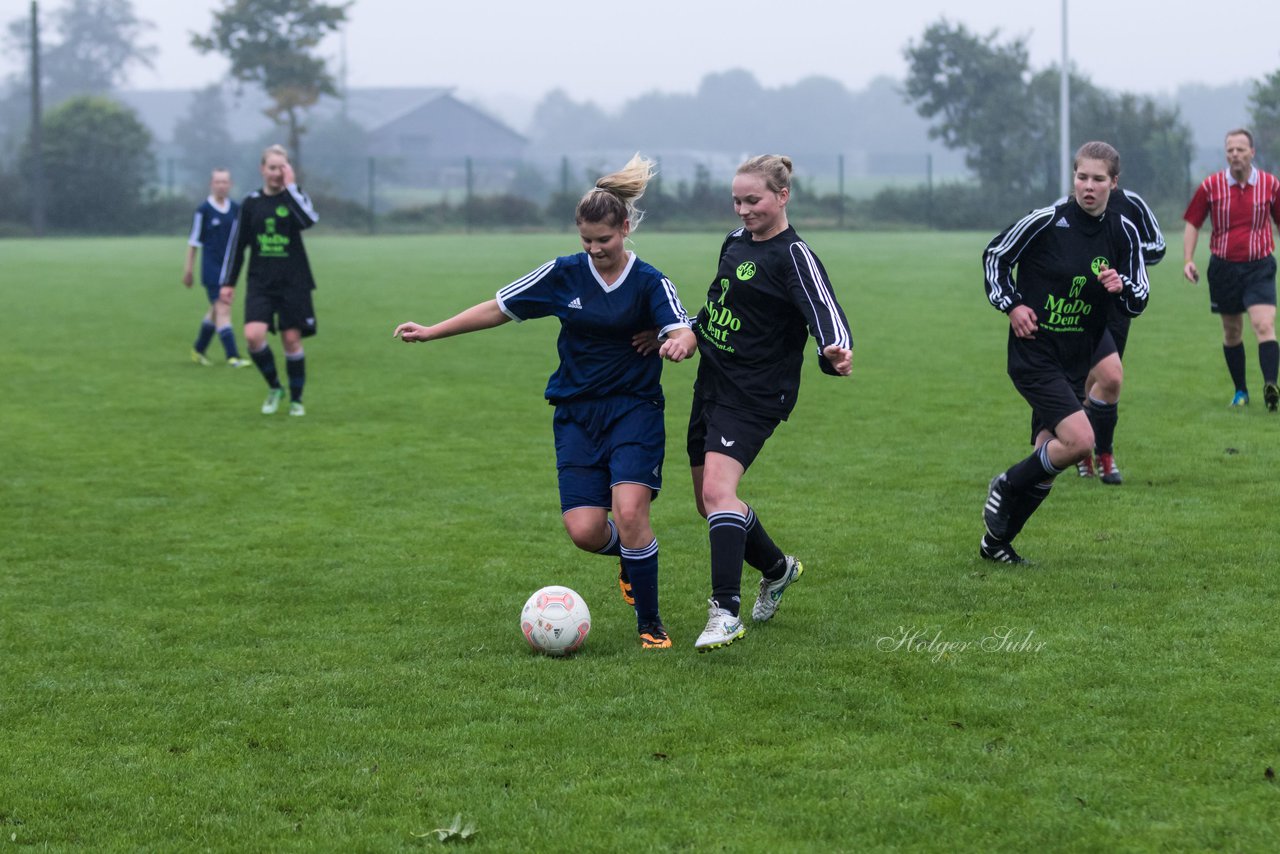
x: 608, y: 424
x: 1073, y: 261
x: 280, y: 282
x: 1241, y: 202
x: 769, y: 293
x: 210, y: 233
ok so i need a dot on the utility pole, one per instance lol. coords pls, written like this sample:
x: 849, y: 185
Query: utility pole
x: 37, y: 134
x: 1064, y: 108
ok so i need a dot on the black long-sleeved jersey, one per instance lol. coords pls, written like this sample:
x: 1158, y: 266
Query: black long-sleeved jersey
x: 766, y: 298
x: 271, y: 228
x: 1059, y: 252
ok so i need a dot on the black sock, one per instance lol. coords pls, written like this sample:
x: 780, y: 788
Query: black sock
x: 760, y: 551
x: 1235, y: 365
x: 1103, y: 417
x: 1022, y: 476
x: 266, y: 363
x: 295, y: 365
x: 728, y: 534
x: 1268, y: 360
x: 1027, y: 504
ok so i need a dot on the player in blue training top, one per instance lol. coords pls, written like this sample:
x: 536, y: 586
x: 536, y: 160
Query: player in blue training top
x: 608, y: 425
x: 210, y: 231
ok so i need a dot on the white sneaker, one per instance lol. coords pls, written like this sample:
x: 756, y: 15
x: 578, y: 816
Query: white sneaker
x: 771, y: 591
x: 296, y: 408
x: 722, y: 629
x: 272, y: 403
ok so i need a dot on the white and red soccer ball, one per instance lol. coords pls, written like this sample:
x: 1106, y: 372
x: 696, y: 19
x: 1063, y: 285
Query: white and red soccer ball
x: 555, y: 621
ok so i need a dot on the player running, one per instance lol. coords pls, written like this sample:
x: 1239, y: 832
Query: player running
x: 608, y: 424
x: 1074, y: 260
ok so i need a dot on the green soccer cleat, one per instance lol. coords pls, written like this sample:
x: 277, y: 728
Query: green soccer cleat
x: 236, y: 362
x: 200, y: 358
x: 296, y: 408
x: 272, y: 403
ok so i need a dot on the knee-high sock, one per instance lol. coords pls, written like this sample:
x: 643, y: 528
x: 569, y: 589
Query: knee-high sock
x: 266, y: 363
x: 612, y: 547
x: 760, y: 551
x: 204, y: 336
x: 1103, y: 417
x: 295, y: 365
x: 1022, y: 476
x: 1235, y: 365
x: 728, y: 533
x: 1026, y: 504
x: 1269, y: 360
x: 228, y: 338
x: 642, y: 568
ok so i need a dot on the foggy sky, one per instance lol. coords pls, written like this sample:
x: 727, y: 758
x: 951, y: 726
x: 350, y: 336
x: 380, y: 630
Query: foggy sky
x: 503, y: 51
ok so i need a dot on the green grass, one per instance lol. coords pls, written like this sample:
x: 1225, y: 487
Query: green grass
x: 222, y: 631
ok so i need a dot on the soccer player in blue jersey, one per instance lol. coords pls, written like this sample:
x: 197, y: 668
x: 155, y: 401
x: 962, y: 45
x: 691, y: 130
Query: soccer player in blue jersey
x: 769, y: 294
x: 210, y: 231
x: 608, y: 423
x: 280, y: 283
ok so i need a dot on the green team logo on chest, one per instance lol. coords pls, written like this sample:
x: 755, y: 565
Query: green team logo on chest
x: 720, y: 318
x: 746, y: 270
x: 271, y: 244
x: 1099, y: 264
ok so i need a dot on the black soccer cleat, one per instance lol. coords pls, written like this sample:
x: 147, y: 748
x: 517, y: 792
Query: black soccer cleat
x: 994, y: 550
x: 1271, y: 396
x: 996, y: 511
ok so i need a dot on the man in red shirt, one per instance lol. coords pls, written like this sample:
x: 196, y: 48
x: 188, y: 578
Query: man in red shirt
x: 1242, y: 202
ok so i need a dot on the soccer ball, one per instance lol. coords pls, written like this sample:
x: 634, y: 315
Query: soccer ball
x: 555, y: 621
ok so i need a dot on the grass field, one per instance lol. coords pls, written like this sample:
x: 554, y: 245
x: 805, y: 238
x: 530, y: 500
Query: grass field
x: 229, y: 632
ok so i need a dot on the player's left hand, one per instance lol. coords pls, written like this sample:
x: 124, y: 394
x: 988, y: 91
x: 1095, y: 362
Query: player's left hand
x: 1111, y: 280
x: 645, y: 341
x: 841, y: 358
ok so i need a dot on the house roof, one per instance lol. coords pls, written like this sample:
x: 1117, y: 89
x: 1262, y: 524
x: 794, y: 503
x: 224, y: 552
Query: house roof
x: 161, y: 109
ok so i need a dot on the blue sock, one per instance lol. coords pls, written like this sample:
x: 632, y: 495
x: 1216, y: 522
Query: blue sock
x: 228, y: 339
x: 295, y: 365
x: 205, y: 336
x: 642, y: 566
x: 612, y: 547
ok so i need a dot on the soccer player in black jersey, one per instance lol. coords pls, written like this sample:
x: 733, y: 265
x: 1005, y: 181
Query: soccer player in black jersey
x: 1102, y: 387
x: 1074, y: 261
x: 769, y: 293
x: 280, y: 283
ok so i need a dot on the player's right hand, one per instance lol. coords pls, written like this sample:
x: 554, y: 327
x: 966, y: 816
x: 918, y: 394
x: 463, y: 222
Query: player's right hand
x: 1023, y: 320
x: 410, y: 332
x: 1190, y: 272
x: 187, y: 279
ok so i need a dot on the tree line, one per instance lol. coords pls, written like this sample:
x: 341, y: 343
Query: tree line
x: 978, y: 95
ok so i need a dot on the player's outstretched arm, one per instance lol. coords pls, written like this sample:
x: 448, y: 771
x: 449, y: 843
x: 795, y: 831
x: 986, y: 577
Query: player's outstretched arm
x: 486, y: 315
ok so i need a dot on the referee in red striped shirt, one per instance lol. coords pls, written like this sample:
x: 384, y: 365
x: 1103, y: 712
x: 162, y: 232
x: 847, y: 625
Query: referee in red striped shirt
x: 1241, y: 202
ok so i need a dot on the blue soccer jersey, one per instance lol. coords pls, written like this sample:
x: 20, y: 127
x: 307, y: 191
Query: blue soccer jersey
x: 210, y: 232
x: 597, y: 322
